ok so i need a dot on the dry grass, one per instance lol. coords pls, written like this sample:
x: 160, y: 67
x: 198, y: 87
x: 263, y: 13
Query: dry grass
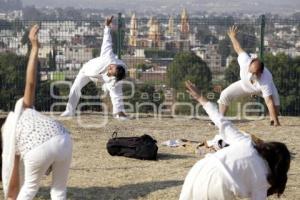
x: 96, y: 175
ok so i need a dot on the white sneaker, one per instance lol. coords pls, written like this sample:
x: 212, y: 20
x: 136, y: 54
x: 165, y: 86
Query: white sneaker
x: 121, y: 118
x: 67, y: 114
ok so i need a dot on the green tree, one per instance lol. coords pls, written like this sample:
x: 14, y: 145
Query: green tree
x: 91, y: 90
x: 25, y: 40
x: 224, y: 49
x: 51, y: 60
x: 12, y: 80
x: 286, y: 75
x: 144, y: 93
x: 188, y: 66
x: 12, y: 76
x: 232, y: 73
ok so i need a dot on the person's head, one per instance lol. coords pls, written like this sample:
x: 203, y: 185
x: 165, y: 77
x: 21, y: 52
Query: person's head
x: 278, y: 158
x: 256, y: 67
x: 116, y: 70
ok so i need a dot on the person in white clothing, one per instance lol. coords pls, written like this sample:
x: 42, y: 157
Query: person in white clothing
x: 256, y: 79
x: 37, y: 142
x: 243, y: 169
x: 108, y: 68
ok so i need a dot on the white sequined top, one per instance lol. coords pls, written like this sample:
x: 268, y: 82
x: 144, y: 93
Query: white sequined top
x: 33, y: 129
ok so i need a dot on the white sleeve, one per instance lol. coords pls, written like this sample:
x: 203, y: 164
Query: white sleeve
x: 266, y: 89
x: 106, y: 48
x: 227, y: 130
x: 243, y: 59
x: 116, y: 96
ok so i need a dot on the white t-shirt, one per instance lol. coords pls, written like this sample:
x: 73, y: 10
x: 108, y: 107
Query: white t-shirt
x: 33, y: 129
x: 245, y: 169
x: 264, y: 85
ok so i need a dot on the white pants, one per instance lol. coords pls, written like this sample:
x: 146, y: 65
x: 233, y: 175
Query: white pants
x: 236, y: 90
x: 116, y: 93
x: 56, y: 152
x: 75, y: 92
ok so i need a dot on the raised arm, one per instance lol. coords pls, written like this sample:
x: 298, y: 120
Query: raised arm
x: 30, y: 85
x: 106, y: 47
x: 230, y: 133
x: 232, y: 33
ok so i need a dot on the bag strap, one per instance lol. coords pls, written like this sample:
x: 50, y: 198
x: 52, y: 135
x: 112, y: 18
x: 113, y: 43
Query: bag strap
x: 115, y: 134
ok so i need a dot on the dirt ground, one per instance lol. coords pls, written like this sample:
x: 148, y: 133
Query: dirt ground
x: 94, y: 174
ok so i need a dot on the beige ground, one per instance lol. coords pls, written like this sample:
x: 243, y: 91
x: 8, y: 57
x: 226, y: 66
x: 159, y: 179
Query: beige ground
x: 96, y: 175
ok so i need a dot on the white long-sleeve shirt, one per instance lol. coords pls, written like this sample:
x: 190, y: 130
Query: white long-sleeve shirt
x: 99, y: 66
x: 245, y: 169
x: 264, y: 85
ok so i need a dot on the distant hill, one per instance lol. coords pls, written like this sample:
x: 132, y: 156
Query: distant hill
x: 167, y: 6
x: 10, y: 5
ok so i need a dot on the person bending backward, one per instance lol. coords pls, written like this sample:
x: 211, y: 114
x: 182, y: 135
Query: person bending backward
x: 106, y: 67
x: 34, y: 141
x: 255, y: 79
x: 244, y: 169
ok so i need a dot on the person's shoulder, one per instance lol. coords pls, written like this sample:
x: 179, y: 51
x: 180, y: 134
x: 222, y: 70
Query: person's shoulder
x: 266, y: 76
x: 243, y: 58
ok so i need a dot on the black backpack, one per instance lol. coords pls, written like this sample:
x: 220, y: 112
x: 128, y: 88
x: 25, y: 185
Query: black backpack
x: 143, y: 147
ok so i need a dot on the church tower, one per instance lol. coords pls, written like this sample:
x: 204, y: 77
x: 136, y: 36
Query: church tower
x: 171, y: 26
x: 154, y: 33
x: 133, y: 31
x: 184, y: 25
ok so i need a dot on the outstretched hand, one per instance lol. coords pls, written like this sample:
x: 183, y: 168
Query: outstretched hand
x: 33, y: 35
x: 192, y: 90
x: 232, y: 31
x: 195, y: 93
x: 108, y: 20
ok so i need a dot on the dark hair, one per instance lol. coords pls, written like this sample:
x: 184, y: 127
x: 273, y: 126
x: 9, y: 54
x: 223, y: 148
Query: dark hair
x: 278, y: 158
x: 120, y: 72
x: 2, y: 120
x: 261, y: 64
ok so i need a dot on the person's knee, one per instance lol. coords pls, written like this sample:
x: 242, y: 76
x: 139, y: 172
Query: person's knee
x: 225, y: 98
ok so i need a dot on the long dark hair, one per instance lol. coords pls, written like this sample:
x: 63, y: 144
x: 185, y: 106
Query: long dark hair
x: 2, y: 120
x: 278, y: 158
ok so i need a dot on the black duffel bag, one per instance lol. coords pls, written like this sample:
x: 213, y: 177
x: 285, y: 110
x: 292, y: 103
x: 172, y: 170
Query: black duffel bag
x: 143, y: 147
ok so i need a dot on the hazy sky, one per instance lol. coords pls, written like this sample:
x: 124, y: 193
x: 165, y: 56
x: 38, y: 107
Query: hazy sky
x: 277, y: 6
